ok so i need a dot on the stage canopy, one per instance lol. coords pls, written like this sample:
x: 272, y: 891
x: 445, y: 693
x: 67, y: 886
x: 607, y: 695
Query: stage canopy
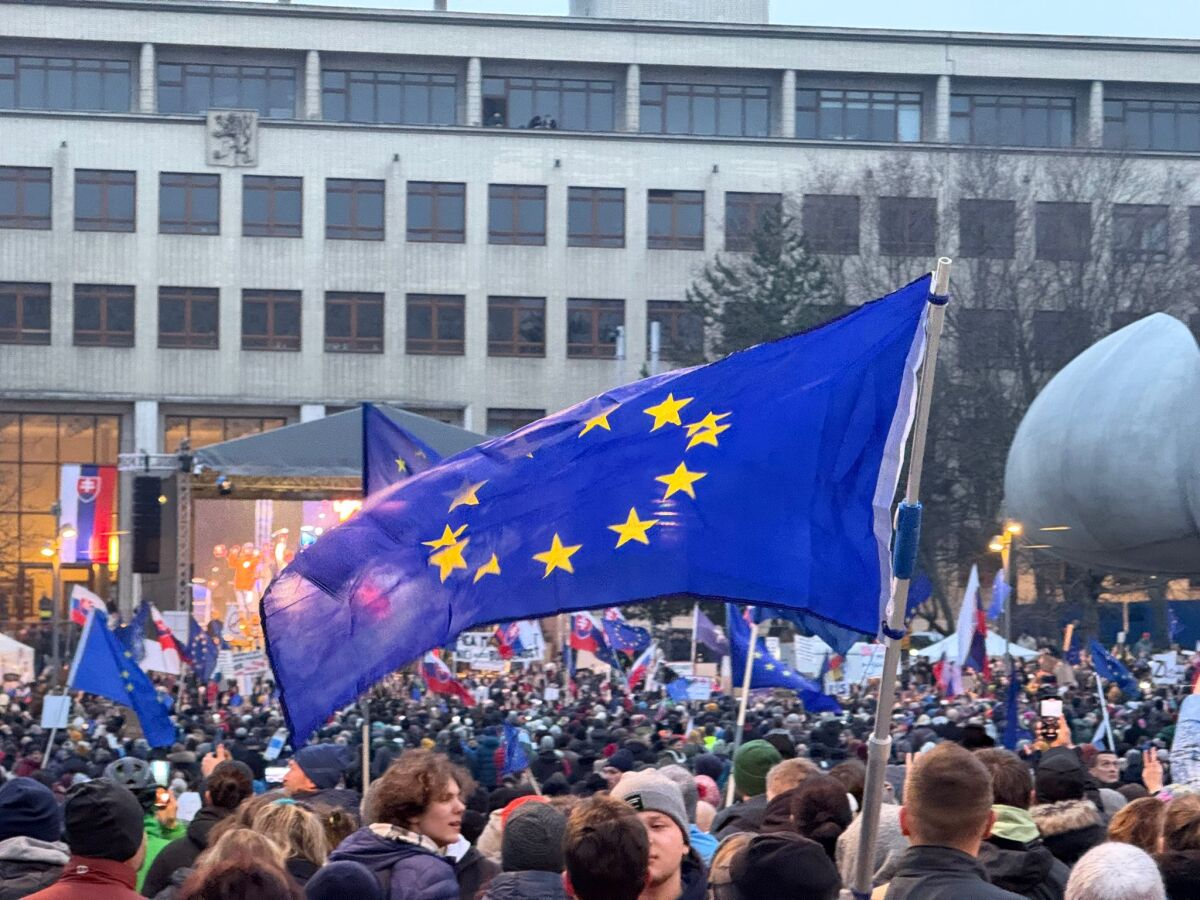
x: 948, y: 647
x: 311, y: 460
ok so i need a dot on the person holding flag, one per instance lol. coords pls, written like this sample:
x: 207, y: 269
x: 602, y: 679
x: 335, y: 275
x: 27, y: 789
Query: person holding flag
x: 440, y: 680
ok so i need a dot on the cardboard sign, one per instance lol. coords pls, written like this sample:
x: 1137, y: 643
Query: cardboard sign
x: 477, y: 650
x: 810, y: 653
x: 1166, y: 668
x: 55, y: 710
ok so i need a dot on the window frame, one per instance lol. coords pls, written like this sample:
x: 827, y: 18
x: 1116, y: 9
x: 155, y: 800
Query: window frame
x: 105, y: 181
x: 649, y: 106
x: 434, y: 345
x: 842, y: 102
x: 758, y: 205
x: 104, y: 296
x: 825, y: 210
x: 590, y: 88
x: 356, y: 187
x: 437, y: 191
x: 991, y: 342
x: 512, y: 415
x: 190, y: 339
x: 26, y: 294
x: 1050, y: 355
x: 594, y: 308
x: 1141, y: 219
x: 191, y: 183
x: 406, y: 83
x: 23, y: 65
x: 242, y: 74
x: 355, y: 342
x: 516, y: 195
x: 21, y: 217
x: 673, y: 339
x: 1117, y: 111
x: 1049, y: 234
x: 911, y: 211
x: 516, y: 346
x: 675, y: 200
x: 964, y: 107
x: 595, y: 198
x: 273, y: 186
x: 270, y: 340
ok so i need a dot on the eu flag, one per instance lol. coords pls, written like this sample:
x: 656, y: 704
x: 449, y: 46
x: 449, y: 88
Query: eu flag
x: 1110, y: 668
x: 102, y: 666
x: 515, y: 757
x: 203, y: 649
x: 766, y: 477
x: 767, y: 671
x: 390, y: 453
x: 622, y: 636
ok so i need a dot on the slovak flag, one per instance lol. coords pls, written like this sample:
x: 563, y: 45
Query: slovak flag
x: 163, y: 652
x: 440, y: 680
x: 585, y: 635
x: 508, y: 640
x: 641, y: 666
x: 83, y: 600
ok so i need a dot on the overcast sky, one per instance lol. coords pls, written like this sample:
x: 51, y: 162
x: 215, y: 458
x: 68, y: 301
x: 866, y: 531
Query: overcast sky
x: 1147, y: 18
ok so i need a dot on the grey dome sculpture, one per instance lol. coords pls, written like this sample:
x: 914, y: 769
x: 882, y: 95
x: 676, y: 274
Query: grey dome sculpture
x: 1111, y: 449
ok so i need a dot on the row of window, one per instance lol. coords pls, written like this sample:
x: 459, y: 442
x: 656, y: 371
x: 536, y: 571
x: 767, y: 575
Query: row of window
x: 435, y: 324
x: 423, y: 98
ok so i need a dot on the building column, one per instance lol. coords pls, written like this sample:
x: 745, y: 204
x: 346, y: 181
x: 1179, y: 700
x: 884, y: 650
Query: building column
x: 474, y: 91
x: 310, y: 412
x: 941, y: 111
x: 787, y: 105
x: 312, y: 85
x: 62, y: 219
x: 1095, y: 120
x: 147, y: 81
x: 633, y: 97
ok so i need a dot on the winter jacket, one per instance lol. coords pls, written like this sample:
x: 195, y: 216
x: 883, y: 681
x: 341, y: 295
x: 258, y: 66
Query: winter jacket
x: 745, y: 816
x: 175, y: 886
x: 484, y: 768
x: 1069, y: 828
x: 157, y: 838
x: 181, y: 853
x: 1185, y: 749
x: 694, y: 878
x: 408, y: 872
x: 28, y: 865
x: 300, y: 869
x: 942, y: 873
x: 1181, y: 873
x: 474, y: 872
x: 340, y: 798
x: 88, y: 878
x: 545, y: 764
x: 526, y: 886
x: 1028, y: 869
x: 703, y: 843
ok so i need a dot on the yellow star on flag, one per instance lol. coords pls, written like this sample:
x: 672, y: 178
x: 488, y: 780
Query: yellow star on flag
x: 681, y: 480
x: 124, y: 673
x: 633, y: 528
x: 491, y: 567
x: 558, y: 556
x: 129, y: 687
x: 450, y: 558
x: 709, y: 421
x: 667, y: 412
x: 401, y: 465
x: 770, y: 667
x: 706, y: 437
x: 600, y: 420
x: 466, y: 496
x: 447, y: 539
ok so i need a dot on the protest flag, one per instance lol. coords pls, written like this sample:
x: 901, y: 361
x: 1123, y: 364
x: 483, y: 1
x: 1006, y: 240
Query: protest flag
x: 389, y: 452
x: 440, y: 680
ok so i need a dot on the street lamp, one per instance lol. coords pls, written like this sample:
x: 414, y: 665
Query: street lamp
x: 53, y: 550
x: 1005, y: 544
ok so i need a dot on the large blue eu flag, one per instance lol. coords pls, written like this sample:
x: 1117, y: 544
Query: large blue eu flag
x: 767, y: 477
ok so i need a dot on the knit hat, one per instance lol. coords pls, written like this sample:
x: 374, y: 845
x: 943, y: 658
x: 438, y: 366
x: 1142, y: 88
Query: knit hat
x: 709, y: 792
x: 324, y: 764
x: 1060, y: 776
x: 710, y: 765
x: 533, y: 839
x: 622, y: 760
x: 28, y: 809
x: 516, y: 804
x: 343, y: 878
x: 751, y: 764
x: 785, y: 865
x: 648, y: 791
x: 103, y: 820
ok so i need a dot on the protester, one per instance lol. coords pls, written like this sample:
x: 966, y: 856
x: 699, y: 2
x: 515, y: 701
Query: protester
x: 675, y: 870
x: 315, y: 773
x: 784, y: 865
x: 1115, y: 871
x: 1069, y: 824
x: 606, y: 851
x: 531, y: 855
x: 699, y: 839
x: 751, y: 763
x: 1179, y: 860
x: 32, y: 853
x: 298, y: 831
x: 1140, y: 823
x: 342, y: 880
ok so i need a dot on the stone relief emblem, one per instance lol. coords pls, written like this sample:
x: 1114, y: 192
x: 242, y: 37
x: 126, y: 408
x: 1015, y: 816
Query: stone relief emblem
x: 231, y: 138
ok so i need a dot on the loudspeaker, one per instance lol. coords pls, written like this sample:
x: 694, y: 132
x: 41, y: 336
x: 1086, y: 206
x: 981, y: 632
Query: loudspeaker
x: 147, y: 524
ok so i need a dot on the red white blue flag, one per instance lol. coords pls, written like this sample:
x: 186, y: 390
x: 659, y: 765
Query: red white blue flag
x: 440, y: 680
x: 88, y: 497
x: 82, y: 601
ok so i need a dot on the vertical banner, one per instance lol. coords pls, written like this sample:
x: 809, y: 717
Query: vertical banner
x: 88, y: 497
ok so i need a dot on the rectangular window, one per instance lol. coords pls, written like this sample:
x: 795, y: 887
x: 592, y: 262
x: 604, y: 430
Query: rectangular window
x: 24, y: 198
x: 437, y: 212
x: 681, y: 329
x: 1139, y: 233
x: 204, y: 431
x: 1063, y: 231
x: 353, y: 322
x: 105, y: 200
x: 271, y: 206
x: 987, y: 229
x: 188, y: 317
x: 987, y: 338
x: 1010, y: 121
x: 516, y: 326
x: 745, y: 214
x: 595, y: 217
x: 1193, y: 249
x: 675, y: 220
x: 45, y: 82
x: 830, y: 223
x: 104, y: 315
x: 353, y: 209
x: 837, y: 115
x: 270, y: 320
x: 189, y: 204
x: 505, y: 421
x: 1152, y: 125
x: 194, y: 88
x: 592, y: 328
x: 24, y: 313
x: 907, y: 226
x: 1059, y: 335
x: 731, y: 110
x: 517, y: 214
x: 435, y: 324
x: 571, y: 104
x: 389, y: 98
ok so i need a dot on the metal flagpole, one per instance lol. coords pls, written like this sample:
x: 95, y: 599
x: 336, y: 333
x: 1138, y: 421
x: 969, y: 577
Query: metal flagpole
x: 365, y: 708
x: 741, y: 719
x: 87, y: 629
x: 1104, y: 711
x: 908, y: 528
x: 695, y: 625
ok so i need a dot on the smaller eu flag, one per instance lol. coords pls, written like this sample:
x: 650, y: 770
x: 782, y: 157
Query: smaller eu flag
x: 203, y: 649
x: 1000, y: 592
x: 706, y: 634
x: 103, y: 667
x: 1110, y: 668
x: 389, y: 453
x: 767, y: 671
x: 622, y: 636
x: 515, y: 757
x: 133, y: 634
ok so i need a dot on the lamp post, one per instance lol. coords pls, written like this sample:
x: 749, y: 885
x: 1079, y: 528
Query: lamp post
x: 1006, y: 545
x: 53, y: 550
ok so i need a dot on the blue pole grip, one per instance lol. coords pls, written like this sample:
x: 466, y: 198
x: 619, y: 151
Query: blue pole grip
x: 908, y: 538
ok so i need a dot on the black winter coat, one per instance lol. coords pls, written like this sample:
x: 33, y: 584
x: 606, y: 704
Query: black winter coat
x: 1030, y: 870
x: 942, y: 873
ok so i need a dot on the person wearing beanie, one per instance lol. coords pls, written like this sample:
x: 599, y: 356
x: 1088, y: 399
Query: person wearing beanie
x: 531, y: 855
x: 675, y: 870
x: 314, y: 773
x: 785, y: 865
x: 104, y: 830
x: 702, y: 842
x: 32, y: 853
x: 339, y: 880
x: 1069, y: 823
x: 751, y: 763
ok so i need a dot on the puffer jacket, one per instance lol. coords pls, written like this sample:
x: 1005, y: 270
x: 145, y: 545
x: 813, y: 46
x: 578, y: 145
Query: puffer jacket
x: 528, y: 885
x: 941, y: 873
x: 407, y: 871
x: 1069, y: 828
x: 1028, y: 869
x: 27, y: 865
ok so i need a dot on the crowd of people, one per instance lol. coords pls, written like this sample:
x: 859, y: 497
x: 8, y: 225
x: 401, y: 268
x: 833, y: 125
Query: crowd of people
x: 591, y: 792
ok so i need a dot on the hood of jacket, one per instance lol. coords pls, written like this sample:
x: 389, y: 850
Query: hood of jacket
x: 1013, y: 824
x: 1069, y: 828
x: 378, y: 853
x: 206, y: 819
x: 1021, y: 867
x: 23, y: 849
x: 527, y: 885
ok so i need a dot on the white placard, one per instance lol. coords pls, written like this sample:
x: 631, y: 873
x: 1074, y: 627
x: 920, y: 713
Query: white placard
x: 550, y: 694
x: 249, y: 664
x: 1165, y: 668
x: 772, y: 646
x: 55, y: 710
x: 810, y: 653
x: 476, y: 649
x: 863, y: 662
